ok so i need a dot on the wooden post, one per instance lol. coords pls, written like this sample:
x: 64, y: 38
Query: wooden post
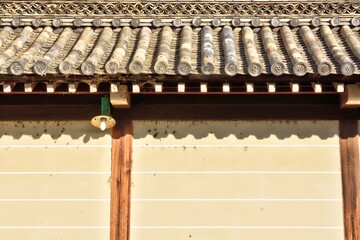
x: 349, y: 153
x: 120, y: 180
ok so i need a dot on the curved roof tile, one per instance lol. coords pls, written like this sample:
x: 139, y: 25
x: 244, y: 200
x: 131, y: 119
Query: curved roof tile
x: 250, y: 51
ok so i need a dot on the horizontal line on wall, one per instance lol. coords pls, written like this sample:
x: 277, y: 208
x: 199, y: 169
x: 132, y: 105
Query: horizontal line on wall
x: 235, y: 172
x: 236, y: 200
x: 55, y: 173
x: 58, y: 146
x: 236, y: 227
x: 230, y: 145
x: 55, y: 200
x: 54, y: 227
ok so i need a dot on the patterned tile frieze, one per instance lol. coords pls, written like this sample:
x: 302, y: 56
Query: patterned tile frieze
x: 177, y: 8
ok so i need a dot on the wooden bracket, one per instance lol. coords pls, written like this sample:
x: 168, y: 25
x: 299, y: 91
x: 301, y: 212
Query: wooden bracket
x: 351, y: 97
x: 119, y: 96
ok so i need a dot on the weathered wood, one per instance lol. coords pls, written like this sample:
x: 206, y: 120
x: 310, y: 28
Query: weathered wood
x: 350, y: 98
x: 347, y: 66
x: 113, y: 65
x: 119, y: 95
x: 121, y: 180
x: 207, y: 51
x: 16, y: 45
x: 41, y: 66
x: 350, y: 168
x: 351, y: 40
x: 17, y: 67
x: 323, y: 65
x: 4, y: 34
x: 184, y: 67
x: 137, y: 64
x: 297, y: 60
x: 277, y: 66
x: 78, y: 50
x: 252, y: 57
x: 231, y: 65
x: 89, y: 66
x: 162, y: 60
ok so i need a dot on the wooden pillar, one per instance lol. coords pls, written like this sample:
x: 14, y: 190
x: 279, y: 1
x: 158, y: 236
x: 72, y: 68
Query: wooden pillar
x: 349, y: 152
x: 120, y: 180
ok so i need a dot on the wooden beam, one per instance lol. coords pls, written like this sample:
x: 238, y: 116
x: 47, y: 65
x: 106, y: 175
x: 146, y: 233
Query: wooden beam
x: 226, y: 87
x: 181, y: 87
x: 317, y: 87
x: 350, y: 167
x: 136, y: 88
x: 129, y: 78
x: 295, y: 87
x: 271, y: 87
x: 203, y: 87
x: 158, y: 87
x: 166, y: 106
x: 249, y: 87
x: 120, y: 180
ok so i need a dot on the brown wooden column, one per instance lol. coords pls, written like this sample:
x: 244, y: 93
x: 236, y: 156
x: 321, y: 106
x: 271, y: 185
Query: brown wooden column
x: 349, y: 151
x: 120, y: 180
